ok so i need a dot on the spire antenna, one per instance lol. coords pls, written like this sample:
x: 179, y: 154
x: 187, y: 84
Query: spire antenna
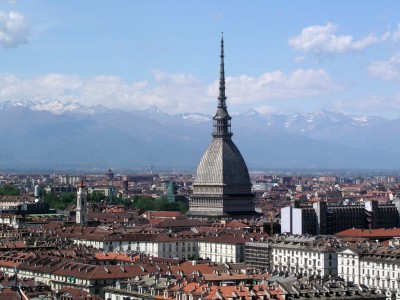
x: 222, y: 97
x: 222, y: 120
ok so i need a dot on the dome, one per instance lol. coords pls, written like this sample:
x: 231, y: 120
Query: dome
x: 222, y: 185
x: 222, y: 164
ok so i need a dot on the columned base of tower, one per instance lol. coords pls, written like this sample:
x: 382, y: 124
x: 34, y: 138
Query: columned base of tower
x: 221, y: 207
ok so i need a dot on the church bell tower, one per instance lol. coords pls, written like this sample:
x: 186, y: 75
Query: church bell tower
x: 81, y: 204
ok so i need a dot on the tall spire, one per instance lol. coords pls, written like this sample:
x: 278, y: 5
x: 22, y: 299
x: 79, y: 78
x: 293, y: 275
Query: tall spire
x: 222, y: 97
x: 222, y: 120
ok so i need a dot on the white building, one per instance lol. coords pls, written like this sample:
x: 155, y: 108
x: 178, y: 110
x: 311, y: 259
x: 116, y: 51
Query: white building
x: 157, y: 245
x: 373, y: 265
x: 314, y: 255
x: 218, y: 248
x: 221, y: 248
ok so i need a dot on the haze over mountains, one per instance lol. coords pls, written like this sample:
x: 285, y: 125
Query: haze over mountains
x: 56, y: 135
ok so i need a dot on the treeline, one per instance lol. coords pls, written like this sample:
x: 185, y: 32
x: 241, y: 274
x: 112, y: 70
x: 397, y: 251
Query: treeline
x: 61, y: 202
x: 138, y: 202
x: 9, y: 190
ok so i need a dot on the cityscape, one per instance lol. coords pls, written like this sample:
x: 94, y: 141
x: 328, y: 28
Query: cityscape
x: 113, y: 191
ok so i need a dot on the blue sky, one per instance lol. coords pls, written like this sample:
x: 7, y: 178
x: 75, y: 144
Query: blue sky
x: 281, y: 56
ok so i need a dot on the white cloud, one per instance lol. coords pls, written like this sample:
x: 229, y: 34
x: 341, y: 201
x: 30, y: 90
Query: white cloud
x: 276, y: 85
x: 299, y: 58
x: 181, y: 92
x: 171, y: 92
x: 110, y: 91
x: 396, y: 34
x: 373, y: 104
x: 386, y: 70
x: 323, y: 39
x: 265, y: 109
x: 14, y: 30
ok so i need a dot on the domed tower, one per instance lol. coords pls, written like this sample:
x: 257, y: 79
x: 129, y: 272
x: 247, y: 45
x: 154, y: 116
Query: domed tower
x: 222, y: 186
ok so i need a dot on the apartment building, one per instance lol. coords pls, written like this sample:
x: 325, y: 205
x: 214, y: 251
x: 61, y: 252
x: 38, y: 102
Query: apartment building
x: 373, y: 265
x: 314, y: 255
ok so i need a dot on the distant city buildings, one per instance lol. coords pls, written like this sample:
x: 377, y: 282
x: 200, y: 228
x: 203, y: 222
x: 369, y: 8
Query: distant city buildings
x: 324, y: 218
x: 256, y: 236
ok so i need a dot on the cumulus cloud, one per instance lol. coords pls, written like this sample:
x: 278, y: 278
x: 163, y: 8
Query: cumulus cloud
x: 172, y: 93
x: 14, y: 30
x: 386, y: 70
x: 277, y: 85
x: 265, y: 109
x: 373, y: 104
x: 323, y: 39
x: 110, y: 91
x: 182, y: 92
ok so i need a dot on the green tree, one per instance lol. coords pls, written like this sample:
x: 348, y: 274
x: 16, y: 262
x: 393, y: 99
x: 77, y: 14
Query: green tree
x: 145, y: 203
x: 58, y: 202
x: 9, y: 190
x: 96, y: 197
x: 68, y: 198
x: 162, y: 203
x: 183, y: 207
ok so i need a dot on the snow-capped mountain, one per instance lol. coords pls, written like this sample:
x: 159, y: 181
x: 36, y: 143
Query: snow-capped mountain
x: 55, y: 106
x: 196, y: 117
x: 56, y: 134
x: 311, y: 121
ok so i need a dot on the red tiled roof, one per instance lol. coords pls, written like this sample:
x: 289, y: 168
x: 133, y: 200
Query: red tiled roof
x: 113, y: 256
x: 9, y: 295
x: 164, y: 214
x: 76, y: 294
x: 189, y: 267
x: 236, y: 224
x: 216, y: 292
x: 369, y: 233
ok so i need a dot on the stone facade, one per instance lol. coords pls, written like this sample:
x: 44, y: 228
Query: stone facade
x: 222, y: 186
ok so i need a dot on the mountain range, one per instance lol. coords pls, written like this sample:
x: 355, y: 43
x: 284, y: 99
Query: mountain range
x: 73, y: 136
